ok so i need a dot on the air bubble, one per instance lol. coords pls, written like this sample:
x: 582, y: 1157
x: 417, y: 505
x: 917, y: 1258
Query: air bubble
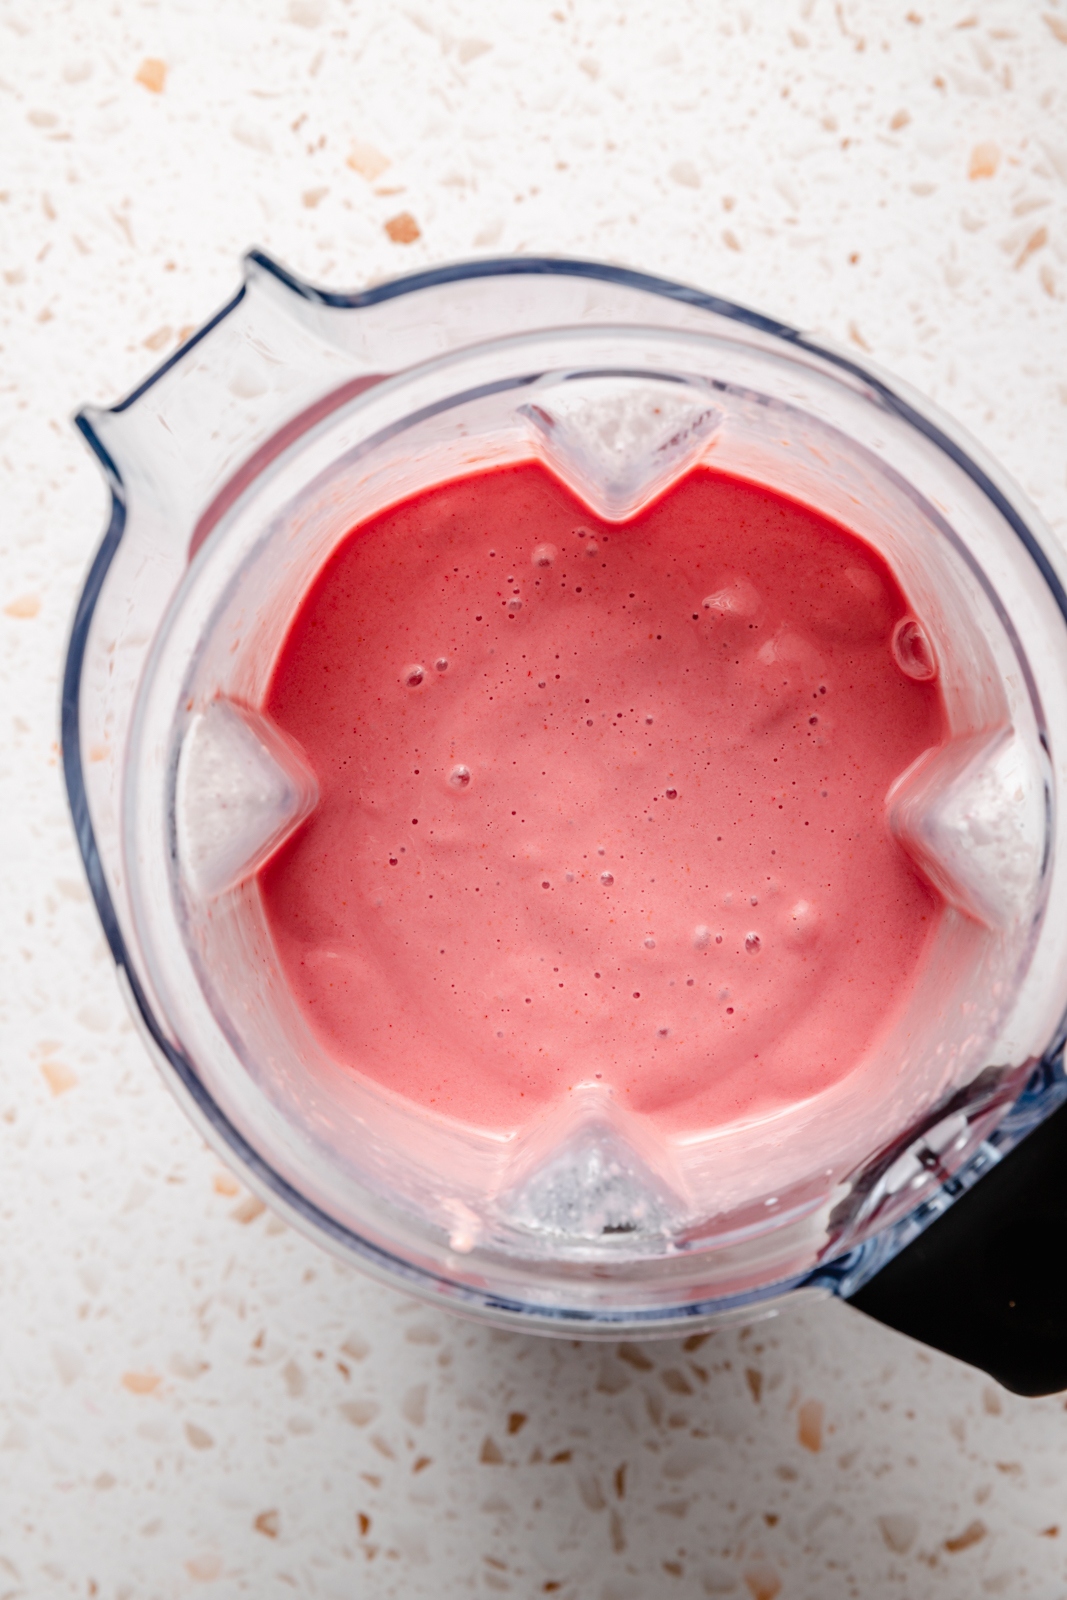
x: 752, y: 943
x: 592, y: 548
x: 441, y: 664
x: 802, y: 922
x: 412, y: 676
x: 650, y: 944
x: 913, y: 652
x: 544, y: 555
x: 514, y: 606
x: 737, y: 599
x: 460, y: 777
x: 607, y: 879
x: 702, y: 937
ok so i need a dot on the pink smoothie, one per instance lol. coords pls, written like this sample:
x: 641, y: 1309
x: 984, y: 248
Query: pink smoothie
x: 600, y: 802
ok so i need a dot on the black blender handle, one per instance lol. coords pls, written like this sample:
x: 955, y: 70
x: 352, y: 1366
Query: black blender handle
x: 987, y: 1282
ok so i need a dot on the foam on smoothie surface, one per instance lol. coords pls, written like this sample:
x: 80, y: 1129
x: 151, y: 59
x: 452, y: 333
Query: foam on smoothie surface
x: 600, y: 802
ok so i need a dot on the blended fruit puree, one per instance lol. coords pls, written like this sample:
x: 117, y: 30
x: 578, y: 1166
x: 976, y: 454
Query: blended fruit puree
x: 600, y: 801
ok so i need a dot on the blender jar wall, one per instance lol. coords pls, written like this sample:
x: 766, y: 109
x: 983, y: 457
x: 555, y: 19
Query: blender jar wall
x: 247, y: 581
x: 899, y: 455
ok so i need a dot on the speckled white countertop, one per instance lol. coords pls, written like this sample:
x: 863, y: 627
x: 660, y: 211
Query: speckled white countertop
x: 192, y: 1398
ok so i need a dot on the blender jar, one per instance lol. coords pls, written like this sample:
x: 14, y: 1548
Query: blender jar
x: 235, y: 471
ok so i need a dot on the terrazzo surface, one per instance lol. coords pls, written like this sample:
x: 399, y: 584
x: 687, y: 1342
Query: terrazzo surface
x: 193, y: 1398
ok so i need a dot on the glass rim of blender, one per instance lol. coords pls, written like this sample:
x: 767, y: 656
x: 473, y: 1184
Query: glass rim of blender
x: 522, y: 379
x: 914, y: 410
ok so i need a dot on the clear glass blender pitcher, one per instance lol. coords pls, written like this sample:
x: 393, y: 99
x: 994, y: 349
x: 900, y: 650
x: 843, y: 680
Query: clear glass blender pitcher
x: 237, y: 468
